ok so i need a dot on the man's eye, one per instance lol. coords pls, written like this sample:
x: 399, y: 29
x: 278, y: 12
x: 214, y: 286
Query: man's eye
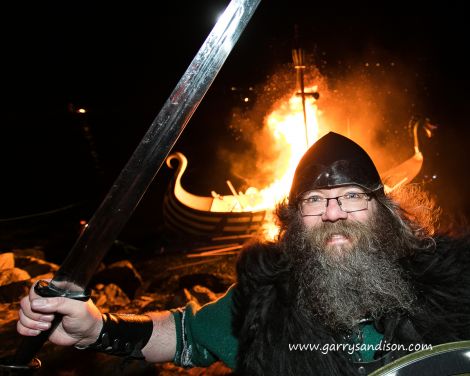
x: 312, y: 199
x: 352, y: 195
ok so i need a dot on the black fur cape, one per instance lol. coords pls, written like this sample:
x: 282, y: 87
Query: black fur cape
x: 265, y: 320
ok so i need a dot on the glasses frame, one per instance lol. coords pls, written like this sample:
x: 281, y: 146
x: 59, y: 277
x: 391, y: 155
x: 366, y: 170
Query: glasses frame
x: 368, y: 196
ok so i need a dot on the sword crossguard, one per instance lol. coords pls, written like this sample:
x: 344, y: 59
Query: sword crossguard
x: 49, y: 290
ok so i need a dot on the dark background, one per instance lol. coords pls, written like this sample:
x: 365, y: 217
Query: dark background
x: 122, y: 61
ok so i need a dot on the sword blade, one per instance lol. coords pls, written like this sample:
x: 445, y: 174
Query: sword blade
x: 126, y: 192
x: 123, y: 197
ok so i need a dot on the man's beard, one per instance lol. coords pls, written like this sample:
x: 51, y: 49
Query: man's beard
x: 342, y: 284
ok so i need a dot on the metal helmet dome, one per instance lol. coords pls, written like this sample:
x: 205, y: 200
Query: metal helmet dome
x: 334, y: 161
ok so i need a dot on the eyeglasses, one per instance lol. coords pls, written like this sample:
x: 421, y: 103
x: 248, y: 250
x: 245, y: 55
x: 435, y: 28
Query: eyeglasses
x: 314, y: 204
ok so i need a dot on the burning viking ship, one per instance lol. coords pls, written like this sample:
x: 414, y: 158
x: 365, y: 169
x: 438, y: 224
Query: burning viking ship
x: 206, y: 217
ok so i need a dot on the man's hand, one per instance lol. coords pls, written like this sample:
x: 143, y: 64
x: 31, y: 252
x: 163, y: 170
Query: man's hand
x: 81, y: 323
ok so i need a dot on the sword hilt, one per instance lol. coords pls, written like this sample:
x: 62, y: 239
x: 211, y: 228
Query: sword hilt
x: 25, y: 362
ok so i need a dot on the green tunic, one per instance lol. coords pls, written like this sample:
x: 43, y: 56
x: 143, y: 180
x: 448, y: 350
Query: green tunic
x: 204, y: 335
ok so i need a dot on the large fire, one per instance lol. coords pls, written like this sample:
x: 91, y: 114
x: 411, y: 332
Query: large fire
x: 286, y: 124
x: 294, y: 134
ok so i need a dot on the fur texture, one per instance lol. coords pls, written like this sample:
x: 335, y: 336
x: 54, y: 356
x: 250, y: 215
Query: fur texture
x: 266, y: 322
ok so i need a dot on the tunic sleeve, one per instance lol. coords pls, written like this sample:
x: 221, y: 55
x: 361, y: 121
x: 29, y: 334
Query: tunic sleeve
x: 204, y: 335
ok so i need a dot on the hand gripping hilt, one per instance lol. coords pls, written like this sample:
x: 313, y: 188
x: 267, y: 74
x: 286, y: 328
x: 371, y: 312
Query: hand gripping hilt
x: 25, y: 362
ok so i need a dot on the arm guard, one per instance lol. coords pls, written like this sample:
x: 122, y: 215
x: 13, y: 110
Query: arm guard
x: 123, y: 335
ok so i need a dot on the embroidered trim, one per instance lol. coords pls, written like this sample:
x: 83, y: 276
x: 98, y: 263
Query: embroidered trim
x: 187, y: 350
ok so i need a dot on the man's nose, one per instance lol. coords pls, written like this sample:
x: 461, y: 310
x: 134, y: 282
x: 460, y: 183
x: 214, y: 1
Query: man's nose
x: 333, y: 212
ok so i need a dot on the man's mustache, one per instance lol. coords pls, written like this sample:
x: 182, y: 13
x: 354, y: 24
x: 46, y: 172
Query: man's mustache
x: 350, y: 229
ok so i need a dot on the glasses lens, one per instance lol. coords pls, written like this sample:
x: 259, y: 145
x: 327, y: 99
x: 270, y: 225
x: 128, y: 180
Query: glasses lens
x: 348, y: 203
x: 355, y: 202
x: 313, y: 208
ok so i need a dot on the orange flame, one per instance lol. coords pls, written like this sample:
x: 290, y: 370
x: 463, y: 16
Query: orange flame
x: 286, y: 123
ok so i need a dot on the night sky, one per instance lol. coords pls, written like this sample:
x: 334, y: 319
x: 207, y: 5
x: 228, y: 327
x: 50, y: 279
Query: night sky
x: 121, y: 62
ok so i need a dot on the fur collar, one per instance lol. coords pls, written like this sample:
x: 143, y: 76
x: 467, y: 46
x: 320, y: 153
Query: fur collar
x: 265, y: 321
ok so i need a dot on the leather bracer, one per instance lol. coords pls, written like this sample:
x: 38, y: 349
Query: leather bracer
x: 123, y: 335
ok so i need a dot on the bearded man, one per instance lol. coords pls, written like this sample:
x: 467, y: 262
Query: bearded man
x: 352, y: 283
